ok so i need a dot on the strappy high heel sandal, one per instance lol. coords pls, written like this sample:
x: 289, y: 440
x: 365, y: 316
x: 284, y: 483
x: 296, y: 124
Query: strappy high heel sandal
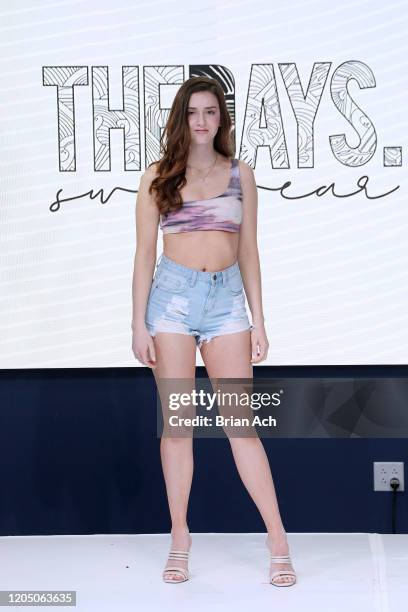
x: 177, y: 555
x: 283, y: 572
x: 287, y: 572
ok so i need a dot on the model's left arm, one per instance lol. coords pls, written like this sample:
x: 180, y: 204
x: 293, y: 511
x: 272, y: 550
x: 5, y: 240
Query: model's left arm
x: 248, y: 261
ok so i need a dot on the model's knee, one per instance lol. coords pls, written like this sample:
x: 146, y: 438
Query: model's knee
x: 179, y: 441
x: 245, y: 442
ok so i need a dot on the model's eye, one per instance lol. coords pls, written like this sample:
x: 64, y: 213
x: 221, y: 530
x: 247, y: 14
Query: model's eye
x: 212, y: 112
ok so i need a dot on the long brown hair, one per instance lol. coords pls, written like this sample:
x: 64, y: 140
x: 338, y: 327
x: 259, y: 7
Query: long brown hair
x: 171, y: 168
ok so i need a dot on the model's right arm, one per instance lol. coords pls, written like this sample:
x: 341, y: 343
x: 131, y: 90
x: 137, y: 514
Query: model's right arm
x: 147, y: 222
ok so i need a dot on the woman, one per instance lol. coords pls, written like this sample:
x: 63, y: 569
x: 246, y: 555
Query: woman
x: 206, y: 204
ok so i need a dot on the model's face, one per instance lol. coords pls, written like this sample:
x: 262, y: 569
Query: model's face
x: 203, y: 116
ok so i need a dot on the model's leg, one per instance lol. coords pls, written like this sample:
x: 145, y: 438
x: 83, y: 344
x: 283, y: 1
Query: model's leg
x: 176, y: 358
x: 248, y: 452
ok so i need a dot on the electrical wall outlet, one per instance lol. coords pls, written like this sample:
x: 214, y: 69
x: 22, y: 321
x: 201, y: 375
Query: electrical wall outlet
x: 384, y: 471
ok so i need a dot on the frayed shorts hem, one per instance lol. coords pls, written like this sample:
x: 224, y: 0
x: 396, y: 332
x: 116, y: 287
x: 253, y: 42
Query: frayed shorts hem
x: 199, y: 339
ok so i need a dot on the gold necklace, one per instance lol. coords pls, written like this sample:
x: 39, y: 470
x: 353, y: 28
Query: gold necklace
x: 211, y: 167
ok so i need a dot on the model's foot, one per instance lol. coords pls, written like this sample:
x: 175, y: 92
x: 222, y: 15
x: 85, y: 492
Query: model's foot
x: 278, y: 546
x: 180, y: 540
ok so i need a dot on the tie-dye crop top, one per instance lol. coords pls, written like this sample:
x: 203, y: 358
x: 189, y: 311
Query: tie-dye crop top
x: 223, y: 212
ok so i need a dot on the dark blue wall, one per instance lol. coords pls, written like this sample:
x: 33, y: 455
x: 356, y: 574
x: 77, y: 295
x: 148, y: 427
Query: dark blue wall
x: 79, y: 454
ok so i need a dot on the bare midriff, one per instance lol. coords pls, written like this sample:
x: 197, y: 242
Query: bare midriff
x: 207, y: 251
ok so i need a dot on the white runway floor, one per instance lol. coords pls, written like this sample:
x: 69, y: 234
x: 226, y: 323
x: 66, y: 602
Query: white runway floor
x: 336, y: 572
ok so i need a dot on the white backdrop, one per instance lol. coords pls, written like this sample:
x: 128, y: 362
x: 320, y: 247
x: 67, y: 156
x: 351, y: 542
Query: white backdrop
x: 334, y: 269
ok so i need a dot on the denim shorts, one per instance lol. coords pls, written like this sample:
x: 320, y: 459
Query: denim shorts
x: 196, y: 303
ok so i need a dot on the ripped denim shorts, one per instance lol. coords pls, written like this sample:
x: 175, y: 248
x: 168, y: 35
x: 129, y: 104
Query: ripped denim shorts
x: 196, y: 303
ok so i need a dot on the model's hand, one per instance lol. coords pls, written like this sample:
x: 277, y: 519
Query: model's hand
x: 259, y: 343
x: 143, y: 346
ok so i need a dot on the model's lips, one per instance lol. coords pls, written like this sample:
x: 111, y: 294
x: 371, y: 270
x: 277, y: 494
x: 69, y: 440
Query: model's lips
x: 201, y: 130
